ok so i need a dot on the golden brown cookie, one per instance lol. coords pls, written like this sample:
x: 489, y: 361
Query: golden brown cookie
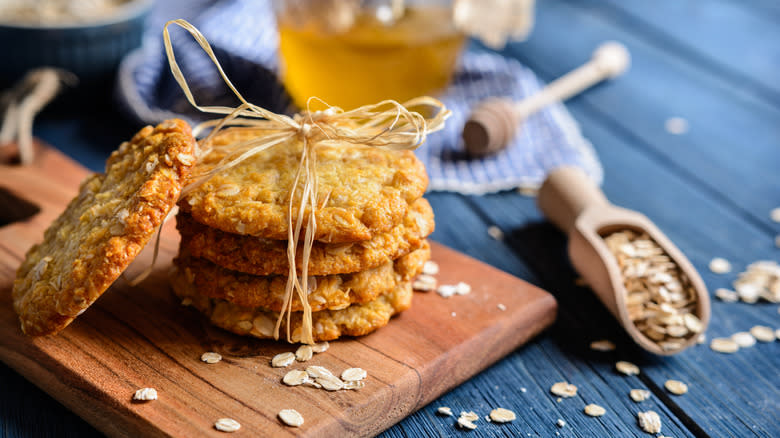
x: 260, y: 256
x: 103, y: 228
x: 362, y: 190
x: 329, y: 291
x: 355, y: 320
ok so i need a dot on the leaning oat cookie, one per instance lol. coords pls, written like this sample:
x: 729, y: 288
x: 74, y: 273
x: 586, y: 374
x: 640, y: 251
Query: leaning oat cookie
x: 362, y: 190
x: 261, y: 256
x: 355, y: 320
x: 327, y: 292
x: 103, y: 228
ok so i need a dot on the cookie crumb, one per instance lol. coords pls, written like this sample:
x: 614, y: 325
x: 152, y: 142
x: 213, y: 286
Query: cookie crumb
x: 649, y: 421
x: 227, y: 425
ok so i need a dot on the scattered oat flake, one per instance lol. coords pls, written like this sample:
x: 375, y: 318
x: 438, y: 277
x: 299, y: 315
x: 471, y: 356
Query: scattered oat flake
x: 676, y: 387
x: 501, y: 307
x: 560, y: 422
x: 330, y: 382
x: 354, y: 385
x: 594, y: 410
x: 353, y: 374
x: 649, y: 421
x: 501, y: 415
x: 724, y: 345
x: 295, y: 378
x: 676, y: 125
x: 602, y: 345
x: 210, y: 357
x: 775, y: 214
x: 763, y: 333
x: 495, y: 232
x: 424, y: 283
x: 720, y: 265
x: 320, y: 347
x: 627, y: 368
x: 727, y: 295
x: 444, y: 410
x: 470, y: 415
x: 145, y: 394
x: 564, y: 389
x: 464, y: 423
x: 523, y: 389
x: 316, y: 371
x: 743, y: 339
x: 227, y: 425
x: 639, y: 395
x: 282, y: 360
x: 303, y: 353
x: 430, y: 268
x: 291, y: 417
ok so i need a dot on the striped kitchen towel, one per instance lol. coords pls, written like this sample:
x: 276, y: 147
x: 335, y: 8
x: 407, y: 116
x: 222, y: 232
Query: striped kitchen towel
x: 244, y: 37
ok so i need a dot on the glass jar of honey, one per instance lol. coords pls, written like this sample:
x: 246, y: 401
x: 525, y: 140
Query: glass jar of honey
x: 351, y: 52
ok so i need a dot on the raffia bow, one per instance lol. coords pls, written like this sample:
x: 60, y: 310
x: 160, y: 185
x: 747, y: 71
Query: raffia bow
x: 388, y: 125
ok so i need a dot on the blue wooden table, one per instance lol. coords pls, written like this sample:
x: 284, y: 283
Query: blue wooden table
x: 715, y: 63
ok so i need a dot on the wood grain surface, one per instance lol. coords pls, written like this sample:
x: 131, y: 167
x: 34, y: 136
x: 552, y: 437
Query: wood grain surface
x: 136, y: 337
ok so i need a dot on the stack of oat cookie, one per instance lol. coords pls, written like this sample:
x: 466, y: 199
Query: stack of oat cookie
x: 372, y: 223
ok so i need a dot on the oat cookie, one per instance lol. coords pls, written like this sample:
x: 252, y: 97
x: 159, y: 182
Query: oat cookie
x: 261, y: 256
x: 362, y: 190
x: 355, y: 320
x: 328, y: 291
x: 103, y: 228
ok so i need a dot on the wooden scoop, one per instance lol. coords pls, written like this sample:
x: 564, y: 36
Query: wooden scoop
x: 578, y: 207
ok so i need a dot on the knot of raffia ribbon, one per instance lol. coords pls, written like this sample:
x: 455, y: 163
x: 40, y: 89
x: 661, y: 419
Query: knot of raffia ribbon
x: 387, y: 124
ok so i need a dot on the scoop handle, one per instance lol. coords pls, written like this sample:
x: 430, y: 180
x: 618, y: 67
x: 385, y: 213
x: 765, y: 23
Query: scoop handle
x: 565, y: 193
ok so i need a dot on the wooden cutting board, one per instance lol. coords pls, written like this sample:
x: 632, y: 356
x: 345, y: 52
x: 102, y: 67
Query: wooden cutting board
x: 136, y: 337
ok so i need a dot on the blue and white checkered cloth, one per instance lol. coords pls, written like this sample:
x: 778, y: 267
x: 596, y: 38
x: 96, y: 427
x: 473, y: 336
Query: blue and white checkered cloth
x: 244, y: 37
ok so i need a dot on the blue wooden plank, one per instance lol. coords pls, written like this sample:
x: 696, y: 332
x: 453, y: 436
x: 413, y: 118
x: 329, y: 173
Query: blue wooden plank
x: 732, y: 143
x: 733, y: 39
x: 743, y: 386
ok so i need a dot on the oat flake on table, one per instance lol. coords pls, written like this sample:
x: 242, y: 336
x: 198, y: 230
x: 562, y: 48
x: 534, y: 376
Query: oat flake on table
x: 602, y: 345
x: 676, y: 387
x: 295, y: 378
x: 145, y: 394
x: 211, y: 357
x: 501, y: 415
x: 724, y: 345
x: 564, y: 389
x: 719, y: 265
x: 353, y: 374
x: 594, y: 410
x: 444, y: 410
x: 743, y: 339
x: 282, y: 360
x: 627, y: 368
x: 649, y: 421
x: 227, y: 425
x: 291, y: 417
x: 320, y: 347
x: 303, y: 353
x: 639, y: 395
x: 763, y: 333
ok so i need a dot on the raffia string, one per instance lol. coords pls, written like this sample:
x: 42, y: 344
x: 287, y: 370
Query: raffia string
x: 388, y: 125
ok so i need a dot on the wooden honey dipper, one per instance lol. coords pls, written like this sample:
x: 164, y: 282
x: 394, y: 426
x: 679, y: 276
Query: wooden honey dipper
x: 494, y: 121
x: 579, y: 208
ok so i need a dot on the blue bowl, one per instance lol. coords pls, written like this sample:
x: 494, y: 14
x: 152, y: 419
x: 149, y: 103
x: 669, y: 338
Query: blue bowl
x: 90, y: 50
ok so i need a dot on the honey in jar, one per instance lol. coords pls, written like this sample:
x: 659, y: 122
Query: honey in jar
x: 373, y: 58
